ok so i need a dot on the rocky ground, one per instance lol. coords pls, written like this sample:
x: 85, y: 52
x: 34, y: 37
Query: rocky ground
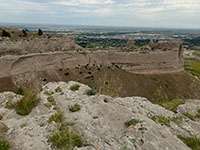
x: 102, y: 122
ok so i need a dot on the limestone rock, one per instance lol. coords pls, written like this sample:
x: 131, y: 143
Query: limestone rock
x: 100, y: 121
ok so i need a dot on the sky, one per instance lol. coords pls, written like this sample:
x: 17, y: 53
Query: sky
x: 133, y: 13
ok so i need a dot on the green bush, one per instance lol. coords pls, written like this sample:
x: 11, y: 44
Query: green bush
x: 131, y: 122
x: 91, y: 92
x: 65, y: 139
x: 192, y: 142
x: 27, y: 103
x: 161, y: 120
x: 75, y: 87
x: 4, y: 144
x: 74, y: 108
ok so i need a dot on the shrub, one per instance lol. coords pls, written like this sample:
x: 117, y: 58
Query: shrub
x: 65, y: 139
x: 58, y: 89
x: 4, y: 144
x: 161, y: 120
x: 91, y: 92
x: 74, y: 87
x: 40, y: 32
x: 58, y: 117
x: 74, y: 108
x: 192, y: 142
x: 27, y: 103
x: 131, y: 122
x: 5, y: 34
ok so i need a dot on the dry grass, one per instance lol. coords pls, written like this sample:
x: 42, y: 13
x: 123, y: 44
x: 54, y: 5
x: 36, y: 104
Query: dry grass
x: 25, y: 105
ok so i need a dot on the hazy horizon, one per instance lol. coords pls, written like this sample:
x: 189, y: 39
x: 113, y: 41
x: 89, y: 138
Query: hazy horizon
x: 123, y: 13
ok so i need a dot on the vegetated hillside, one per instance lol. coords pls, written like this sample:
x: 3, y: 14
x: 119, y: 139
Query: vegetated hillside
x: 116, y: 82
x: 72, y: 116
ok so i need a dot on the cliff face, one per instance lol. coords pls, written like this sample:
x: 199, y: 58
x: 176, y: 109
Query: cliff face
x: 101, y: 121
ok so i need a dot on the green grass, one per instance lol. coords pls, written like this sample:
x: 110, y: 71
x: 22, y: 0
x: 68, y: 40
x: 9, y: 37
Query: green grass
x: 172, y: 105
x: 192, y: 142
x: 193, y: 67
x: 9, y: 103
x: 191, y: 117
x: 176, y: 120
x: 161, y: 120
x: 131, y: 122
x: 48, y: 93
x: 91, y: 92
x: 1, y: 117
x: 3, y: 129
x: 58, y: 89
x: 65, y: 138
x: 58, y: 117
x: 4, y: 144
x: 20, y: 91
x: 25, y: 105
x: 74, y: 108
x: 51, y: 99
x: 197, y: 53
x: 198, y: 114
x: 75, y: 87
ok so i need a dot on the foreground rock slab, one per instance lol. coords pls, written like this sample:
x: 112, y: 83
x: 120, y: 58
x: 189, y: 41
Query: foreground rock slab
x: 100, y: 121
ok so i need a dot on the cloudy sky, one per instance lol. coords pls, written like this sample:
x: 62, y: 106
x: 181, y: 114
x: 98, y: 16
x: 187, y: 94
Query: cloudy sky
x: 136, y: 13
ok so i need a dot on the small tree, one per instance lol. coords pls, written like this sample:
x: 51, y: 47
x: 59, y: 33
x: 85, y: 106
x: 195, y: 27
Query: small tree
x: 40, y: 32
x: 5, y: 34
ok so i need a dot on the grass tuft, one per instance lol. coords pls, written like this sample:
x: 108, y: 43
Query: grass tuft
x: 91, y: 92
x: 161, y: 120
x: 58, y: 89
x: 65, y: 138
x: 74, y: 108
x: 51, y: 99
x: 27, y: 103
x: 131, y: 122
x: 58, y: 117
x: 4, y: 144
x: 191, y: 117
x: 192, y: 142
x: 171, y: 105
x: 20, y: 91
x: 75, y: 87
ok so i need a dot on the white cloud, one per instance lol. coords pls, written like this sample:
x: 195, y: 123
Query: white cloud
x: 82, y: 3
x: 21, y: 6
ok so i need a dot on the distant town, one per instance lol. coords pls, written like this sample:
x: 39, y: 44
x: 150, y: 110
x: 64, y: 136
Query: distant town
x: 109, y: 37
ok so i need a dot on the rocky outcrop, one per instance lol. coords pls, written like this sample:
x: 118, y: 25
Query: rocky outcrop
x: 100, y: 121
x: 38, y: 45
